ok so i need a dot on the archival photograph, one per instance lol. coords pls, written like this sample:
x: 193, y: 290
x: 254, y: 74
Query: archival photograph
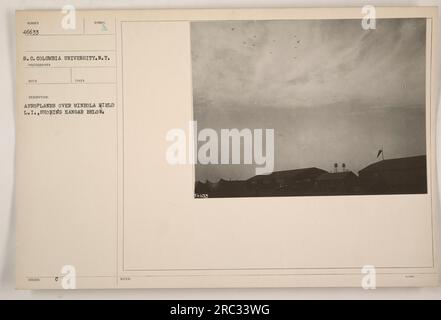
x: 309, y: 107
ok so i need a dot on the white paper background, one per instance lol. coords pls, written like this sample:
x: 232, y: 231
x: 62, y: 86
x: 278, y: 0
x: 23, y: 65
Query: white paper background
x: 7, y: 143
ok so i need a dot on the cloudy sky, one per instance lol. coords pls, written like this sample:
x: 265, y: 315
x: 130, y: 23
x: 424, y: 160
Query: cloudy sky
x: 332, y: 91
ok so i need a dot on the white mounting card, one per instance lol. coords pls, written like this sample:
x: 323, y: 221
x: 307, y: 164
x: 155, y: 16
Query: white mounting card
x: 226, y: 148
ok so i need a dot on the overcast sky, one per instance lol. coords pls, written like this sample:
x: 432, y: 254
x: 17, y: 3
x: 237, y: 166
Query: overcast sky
x: 332, y: 91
